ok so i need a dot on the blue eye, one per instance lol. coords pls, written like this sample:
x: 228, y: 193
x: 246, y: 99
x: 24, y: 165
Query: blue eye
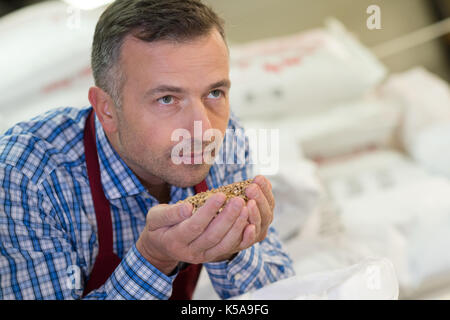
x: 166, y: 100
x: 215, y: 94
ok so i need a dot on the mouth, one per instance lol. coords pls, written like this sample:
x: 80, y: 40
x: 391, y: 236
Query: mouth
x: 192, y: 158
x: 193, y: 155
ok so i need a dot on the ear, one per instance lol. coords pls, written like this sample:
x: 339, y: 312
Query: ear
x: 104, y: 108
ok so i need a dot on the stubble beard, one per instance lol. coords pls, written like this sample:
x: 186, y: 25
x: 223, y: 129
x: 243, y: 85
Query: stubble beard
x: 151, y: 166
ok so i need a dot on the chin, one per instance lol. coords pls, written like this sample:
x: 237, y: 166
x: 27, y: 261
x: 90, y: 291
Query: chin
x: 189, y: 175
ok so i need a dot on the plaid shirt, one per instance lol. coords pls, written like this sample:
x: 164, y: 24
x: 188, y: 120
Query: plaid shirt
x: 48, y: 226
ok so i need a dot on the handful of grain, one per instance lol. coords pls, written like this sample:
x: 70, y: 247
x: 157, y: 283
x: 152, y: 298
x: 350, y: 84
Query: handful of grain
x: 236, y: 189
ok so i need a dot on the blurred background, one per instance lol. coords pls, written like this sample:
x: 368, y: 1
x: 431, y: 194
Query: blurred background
x: 358, y: 92
x: 258, y: 19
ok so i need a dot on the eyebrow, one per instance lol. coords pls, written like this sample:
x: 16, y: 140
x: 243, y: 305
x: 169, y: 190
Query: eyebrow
x: 166, y: 88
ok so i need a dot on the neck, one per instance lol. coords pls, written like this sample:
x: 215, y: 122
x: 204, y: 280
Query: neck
x: 160, y: 191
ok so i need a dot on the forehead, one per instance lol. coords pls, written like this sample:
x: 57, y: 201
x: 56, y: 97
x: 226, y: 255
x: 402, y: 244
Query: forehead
x: 203, y: 58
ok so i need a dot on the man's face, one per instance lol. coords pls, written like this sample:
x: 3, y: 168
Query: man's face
x: 169, y: 86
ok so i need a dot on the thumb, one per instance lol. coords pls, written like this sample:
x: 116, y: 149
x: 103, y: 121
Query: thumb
x: 168, y: 215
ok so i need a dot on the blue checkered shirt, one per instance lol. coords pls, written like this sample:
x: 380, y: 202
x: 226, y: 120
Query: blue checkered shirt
x: 48, y: 227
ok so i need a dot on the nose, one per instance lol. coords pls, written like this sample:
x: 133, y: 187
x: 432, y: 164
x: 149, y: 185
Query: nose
x: 199, y: 118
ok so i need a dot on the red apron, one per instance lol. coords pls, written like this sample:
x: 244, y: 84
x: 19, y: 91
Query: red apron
x: 107, y: 261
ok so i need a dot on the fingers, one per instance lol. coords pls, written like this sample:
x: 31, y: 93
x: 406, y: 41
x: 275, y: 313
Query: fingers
x: 192, y: 228
x: 254, y: 216
x: 266, y: 187
x: 165, y: 215
x: 231, y: 241
x: 248, y: 238
x: 253, y: 191
x: 219, y: 226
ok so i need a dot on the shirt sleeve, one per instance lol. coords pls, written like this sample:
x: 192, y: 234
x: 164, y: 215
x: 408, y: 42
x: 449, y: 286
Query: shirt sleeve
x: 39, y: 258
x: 135, y: 279
x: 264, y: 262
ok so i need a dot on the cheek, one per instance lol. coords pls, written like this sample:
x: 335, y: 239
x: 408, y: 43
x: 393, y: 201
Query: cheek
x: 155, y: 141
x: 143, y: 140
x: 158, y: 139
x: 220, y: 122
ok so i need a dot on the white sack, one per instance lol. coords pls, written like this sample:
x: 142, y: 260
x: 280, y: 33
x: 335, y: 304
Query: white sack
x: 425, y: 130
x: 432, y: 148
x: 369, y: 279
x: 399, y: 211
x: 295, y: 184
x: 304, y: 73
x: 360, y: 124
x: 45, y: 55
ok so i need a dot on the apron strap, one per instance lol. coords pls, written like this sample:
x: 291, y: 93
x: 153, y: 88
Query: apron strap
x: 107, y: 261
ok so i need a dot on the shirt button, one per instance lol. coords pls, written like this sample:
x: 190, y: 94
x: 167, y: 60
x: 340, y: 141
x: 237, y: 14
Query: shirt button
x: 237, y: 277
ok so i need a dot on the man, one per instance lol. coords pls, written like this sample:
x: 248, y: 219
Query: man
x: 89, y: 200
